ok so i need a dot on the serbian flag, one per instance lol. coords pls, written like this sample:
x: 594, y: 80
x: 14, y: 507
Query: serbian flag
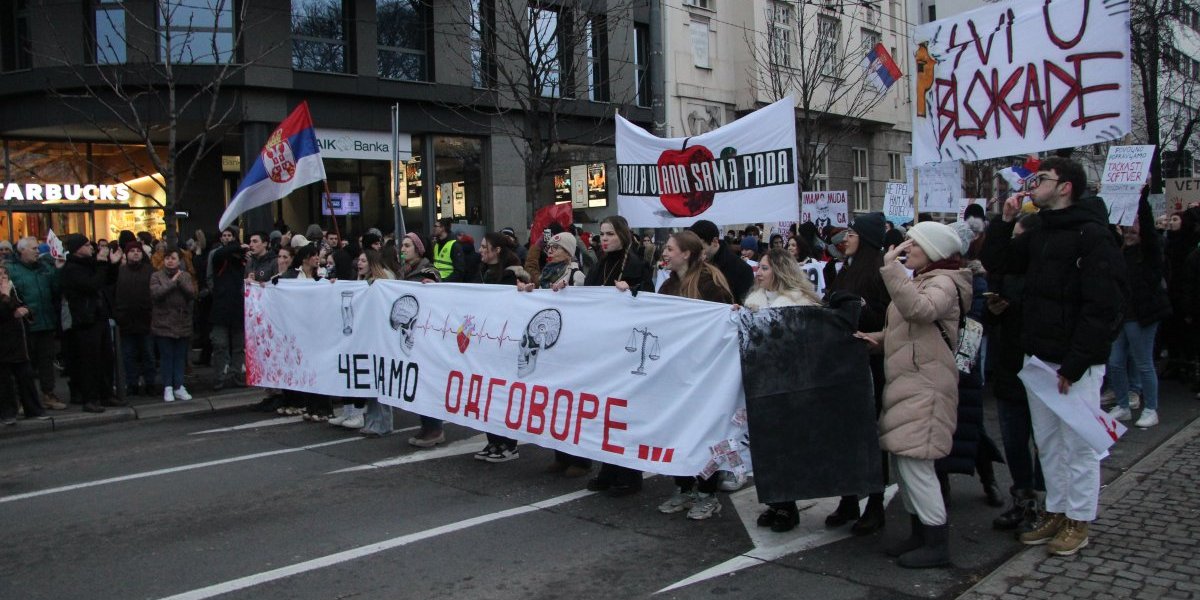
x: 881, y: 69
x: 290, y: 160
x: 1020, y: 177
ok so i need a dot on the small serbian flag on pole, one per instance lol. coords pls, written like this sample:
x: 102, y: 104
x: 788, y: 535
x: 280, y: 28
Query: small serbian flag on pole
x: 881, y: 69
x: 290, y: 160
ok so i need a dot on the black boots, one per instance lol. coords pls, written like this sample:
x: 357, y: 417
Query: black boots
x: 928, y: 546
x: 872, y: 519
x: 1023, y: 509
x: 847, y: 511
x: 915, y: 540
x: 987, y: 476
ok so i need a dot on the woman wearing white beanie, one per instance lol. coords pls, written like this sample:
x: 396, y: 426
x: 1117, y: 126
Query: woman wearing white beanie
x: 920, y: 396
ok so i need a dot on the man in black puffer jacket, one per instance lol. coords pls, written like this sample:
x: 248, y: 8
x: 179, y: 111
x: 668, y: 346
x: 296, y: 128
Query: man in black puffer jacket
x: 88, y: 345
x: 1072, y: 308
x: 739, y: 274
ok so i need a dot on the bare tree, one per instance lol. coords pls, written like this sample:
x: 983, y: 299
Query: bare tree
x: 1167, y: 78
x: 806, y: 54
x: 533, y: 66
x: 157, y: 76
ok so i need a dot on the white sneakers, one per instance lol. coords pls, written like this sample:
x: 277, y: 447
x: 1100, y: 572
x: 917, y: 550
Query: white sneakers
x: 1120, y: 414
x: 1149, y: 418
x: 1135, y: 400
x: 181, y: 393
x: 168, y: 394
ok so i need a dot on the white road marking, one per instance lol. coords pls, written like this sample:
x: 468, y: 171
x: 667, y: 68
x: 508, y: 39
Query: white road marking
x: 168, y: 471
x: 467, y: 446
x: 254, y: 425
x: 768, y: 545
x: 363, y: 551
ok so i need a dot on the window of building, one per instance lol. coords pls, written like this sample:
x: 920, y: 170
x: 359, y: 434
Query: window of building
x: 641, y: 63
x: 108, y: 22
x: 545, y: 60
x: 932, y: 12
x: 705, y: 4
x: 894, y: 13
x: 403, y: 37
x: 870, y: 38
x: 896, y: 167
x: 597, y: 48
x: 700, y: 46
x: 195, y: 31
x: 829, y: 33
x: 483, y: 43
x: 862, y: 181
x: 15, y: 52
x: 779, y: 34
x: 319, y: 35
x: 820, y: 179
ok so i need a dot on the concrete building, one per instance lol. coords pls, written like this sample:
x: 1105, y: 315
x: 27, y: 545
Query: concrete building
x: 79, y: 80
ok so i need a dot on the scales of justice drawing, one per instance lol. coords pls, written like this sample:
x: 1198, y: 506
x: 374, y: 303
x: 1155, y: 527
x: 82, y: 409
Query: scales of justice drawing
x: 633, y: 345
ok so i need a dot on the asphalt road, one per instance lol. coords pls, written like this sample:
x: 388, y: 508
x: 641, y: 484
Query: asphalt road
x: 157, y: 509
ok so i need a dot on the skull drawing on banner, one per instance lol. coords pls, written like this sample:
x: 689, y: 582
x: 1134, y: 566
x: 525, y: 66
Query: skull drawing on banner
x: 541, y: 334
x: 404, y: 317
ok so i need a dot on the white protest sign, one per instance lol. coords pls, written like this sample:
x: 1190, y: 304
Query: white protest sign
x: 649, y: 382
x: 744, y: 172
x: 1158, y: 204
x: 55, y: 244
x: 897, y: 203
x: 1016, y: 77
x: 938, y: 186
x: 963, y: 203
x: 783, y: 228
x: 1075, y: 408
x: 825, y: 209
x: 1182, y: 193
x: 815, y: 271
x: 1125, y: 174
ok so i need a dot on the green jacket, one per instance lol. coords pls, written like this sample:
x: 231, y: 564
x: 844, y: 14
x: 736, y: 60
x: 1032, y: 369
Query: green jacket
x: 38, y: 286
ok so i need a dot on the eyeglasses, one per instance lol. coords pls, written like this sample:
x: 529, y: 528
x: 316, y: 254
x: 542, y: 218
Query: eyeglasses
x: 1043, y: 179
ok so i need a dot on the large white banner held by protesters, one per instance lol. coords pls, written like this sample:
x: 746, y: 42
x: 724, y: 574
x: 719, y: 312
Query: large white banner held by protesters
x: 1020, y: 76
x: 744, y: 172
x: 649, y: 382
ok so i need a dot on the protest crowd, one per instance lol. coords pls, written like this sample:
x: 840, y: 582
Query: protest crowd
x: 1043, y: 276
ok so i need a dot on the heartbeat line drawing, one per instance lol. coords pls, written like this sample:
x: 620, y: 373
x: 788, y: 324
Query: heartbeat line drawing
x: 465, y: 332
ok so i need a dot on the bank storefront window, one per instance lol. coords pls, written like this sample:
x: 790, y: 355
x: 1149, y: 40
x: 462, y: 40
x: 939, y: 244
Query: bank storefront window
x: 78, y: 187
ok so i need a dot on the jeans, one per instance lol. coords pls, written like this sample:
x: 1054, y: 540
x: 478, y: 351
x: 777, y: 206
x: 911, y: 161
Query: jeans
x: 1016, y: 433
x: 227, y: 345
x: 173, y: 353
x: 137, y: 350
x: 89, y: 362
x: 430, y: 424
x: 42, y: 348
x: 1135, y: 344
x: 22, y: 376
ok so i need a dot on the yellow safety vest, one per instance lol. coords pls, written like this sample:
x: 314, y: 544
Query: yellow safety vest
x: 441, y: 259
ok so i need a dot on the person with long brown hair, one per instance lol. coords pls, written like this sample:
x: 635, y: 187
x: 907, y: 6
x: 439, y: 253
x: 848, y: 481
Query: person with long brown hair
x: 693, y: 277
x: 622, y: 268
x: 500, y: 266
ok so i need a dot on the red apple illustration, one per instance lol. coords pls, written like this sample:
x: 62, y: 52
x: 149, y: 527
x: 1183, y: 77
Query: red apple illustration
x: 694, y: 202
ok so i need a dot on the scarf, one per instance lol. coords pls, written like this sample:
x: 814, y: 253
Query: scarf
x: 551, y: 273
x: 953, y: 264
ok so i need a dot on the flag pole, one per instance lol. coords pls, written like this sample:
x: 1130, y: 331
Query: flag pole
x: 329, y: 206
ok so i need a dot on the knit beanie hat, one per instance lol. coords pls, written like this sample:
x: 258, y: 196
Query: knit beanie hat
x: 566, y: 241
x: 416, y: 242
x: 74, y: 242
x: 750, y: 243
x: 937, y: 240
x: 870, y: 229
x: 299, y: 241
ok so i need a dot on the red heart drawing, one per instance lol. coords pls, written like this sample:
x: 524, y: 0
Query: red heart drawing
x: 692, y: 202
x: 464, y: 340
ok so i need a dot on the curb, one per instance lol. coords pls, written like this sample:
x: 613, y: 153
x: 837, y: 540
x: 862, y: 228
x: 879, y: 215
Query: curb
x: 218, y: 403
x: 1023, y: 565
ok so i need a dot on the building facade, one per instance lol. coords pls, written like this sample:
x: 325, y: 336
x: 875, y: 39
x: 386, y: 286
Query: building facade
x: 98, y: 96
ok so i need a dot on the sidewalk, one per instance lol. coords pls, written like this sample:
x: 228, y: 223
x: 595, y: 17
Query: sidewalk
x: 198, y: 382
x: 1144, y: 544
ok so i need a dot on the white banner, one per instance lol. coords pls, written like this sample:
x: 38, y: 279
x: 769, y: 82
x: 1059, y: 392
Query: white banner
x: 897, y: 203
x: 1182, y: 193
x: 655, y: 384
x: 963, y: 203
x: 1016, y: 77
x: 1080, y: 412
x: 937, y: 186
x: 825, y: 209
x: 1125, y: 173
x: 744, y: 172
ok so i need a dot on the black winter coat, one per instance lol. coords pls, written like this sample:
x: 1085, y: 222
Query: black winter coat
x: 739, y: 274
x: 228, y: 264
x: 1074, y: 283
x: 1146, y: 299
x: 636, y: 272
x: 83, y: 281
x: 12, y: 330
x: 133, y: 298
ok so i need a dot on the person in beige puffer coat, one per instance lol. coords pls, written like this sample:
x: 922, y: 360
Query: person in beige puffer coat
x: 920, y: 396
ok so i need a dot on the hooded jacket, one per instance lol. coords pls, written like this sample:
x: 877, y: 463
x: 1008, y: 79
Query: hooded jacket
x: 38, y: 286
x: 920, y: 398
x: 83, y: 280
x: 1074, y: 284
x: 132, y: 297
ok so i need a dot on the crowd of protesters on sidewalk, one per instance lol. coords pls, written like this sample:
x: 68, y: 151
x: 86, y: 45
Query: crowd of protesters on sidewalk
x: 1046, y: 277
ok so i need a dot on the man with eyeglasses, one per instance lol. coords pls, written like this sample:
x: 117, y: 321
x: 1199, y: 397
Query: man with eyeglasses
x: 1074, y: 279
